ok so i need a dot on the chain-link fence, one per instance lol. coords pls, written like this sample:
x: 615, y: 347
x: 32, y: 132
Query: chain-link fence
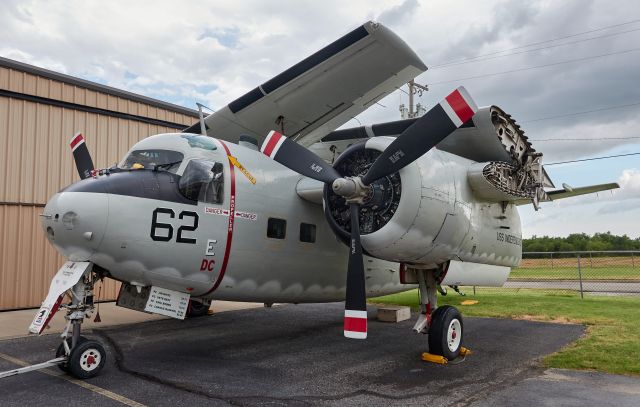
x: 606, y: 272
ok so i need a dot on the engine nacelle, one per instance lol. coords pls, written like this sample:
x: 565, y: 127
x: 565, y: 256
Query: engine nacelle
x: 412, y: 216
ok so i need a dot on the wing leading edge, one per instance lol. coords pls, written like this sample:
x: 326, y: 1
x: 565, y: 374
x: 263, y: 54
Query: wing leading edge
x: 321, y: 92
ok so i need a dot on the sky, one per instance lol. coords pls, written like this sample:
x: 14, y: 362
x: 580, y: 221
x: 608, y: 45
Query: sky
x: 577, y: 59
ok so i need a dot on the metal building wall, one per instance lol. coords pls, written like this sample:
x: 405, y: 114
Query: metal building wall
x: 36, y: 162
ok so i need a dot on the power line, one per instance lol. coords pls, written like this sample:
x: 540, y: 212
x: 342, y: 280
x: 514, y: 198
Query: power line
x: 579, y: 113
x: 539, y: 42
x: 479, y: 59
x: 585, y: 139
x: 594, y: 158
x: 535, y: 67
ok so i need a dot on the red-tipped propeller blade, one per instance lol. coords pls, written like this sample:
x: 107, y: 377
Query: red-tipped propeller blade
x: 439, y: 122
x: 297, y: 158
x: 355, y: 307
x: 81, y: 156
x: 424, y: 134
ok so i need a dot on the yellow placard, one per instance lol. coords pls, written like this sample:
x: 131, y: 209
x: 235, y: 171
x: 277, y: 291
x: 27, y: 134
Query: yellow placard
x: 243, y: 170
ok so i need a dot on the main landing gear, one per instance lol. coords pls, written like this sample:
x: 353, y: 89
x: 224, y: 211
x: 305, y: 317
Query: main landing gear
x: 444, y: 324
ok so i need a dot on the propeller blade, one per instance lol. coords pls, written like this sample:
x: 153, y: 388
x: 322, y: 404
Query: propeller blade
x: 81, y: 156
x: 355, y: 312
x: 424, y: 134
x: 297, y: 158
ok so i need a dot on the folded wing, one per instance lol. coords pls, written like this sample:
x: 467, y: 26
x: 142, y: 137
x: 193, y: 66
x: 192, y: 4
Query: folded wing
x: 321, y: 92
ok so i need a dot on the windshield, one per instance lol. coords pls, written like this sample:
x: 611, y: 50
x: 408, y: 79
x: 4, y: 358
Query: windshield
x: 203, y: 181
x: 152, y: 159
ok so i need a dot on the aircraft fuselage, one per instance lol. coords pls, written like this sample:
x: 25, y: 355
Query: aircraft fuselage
x: 137, y: 225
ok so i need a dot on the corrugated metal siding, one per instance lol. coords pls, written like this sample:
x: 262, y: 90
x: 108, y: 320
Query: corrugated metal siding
x: 28, y: 261
x: 36, y: 162
x: 29, y: 84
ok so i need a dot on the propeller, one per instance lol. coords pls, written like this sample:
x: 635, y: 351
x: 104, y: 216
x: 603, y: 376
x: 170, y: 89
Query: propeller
x: 81, y: 156
x: 424, y: 134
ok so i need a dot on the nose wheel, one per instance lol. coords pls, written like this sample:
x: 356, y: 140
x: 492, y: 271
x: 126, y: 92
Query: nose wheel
x: 86, y: 359
x: 83, y: 361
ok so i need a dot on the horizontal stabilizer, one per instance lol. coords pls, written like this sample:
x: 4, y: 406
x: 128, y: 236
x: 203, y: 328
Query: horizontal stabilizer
x: 566, y: 193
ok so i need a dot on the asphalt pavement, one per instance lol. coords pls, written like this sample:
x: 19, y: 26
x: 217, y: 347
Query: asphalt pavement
x: 295, y: 355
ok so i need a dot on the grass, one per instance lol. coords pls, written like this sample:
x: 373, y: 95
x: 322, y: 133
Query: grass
x: 612, y: 343
x: 571, y: 273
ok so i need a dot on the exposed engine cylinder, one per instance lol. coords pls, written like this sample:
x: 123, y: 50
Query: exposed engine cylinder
x: 378, y: 208
x: 499, y: 181
x: 410, y: 216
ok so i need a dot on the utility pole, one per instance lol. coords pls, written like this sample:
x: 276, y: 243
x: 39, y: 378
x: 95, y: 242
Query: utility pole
x: 414, y: 88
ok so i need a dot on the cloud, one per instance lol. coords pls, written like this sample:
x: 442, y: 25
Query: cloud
x: 396, y: 15
x: 213, y: 52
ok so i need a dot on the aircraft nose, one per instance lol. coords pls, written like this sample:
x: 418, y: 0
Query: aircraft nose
x: 75, y: 222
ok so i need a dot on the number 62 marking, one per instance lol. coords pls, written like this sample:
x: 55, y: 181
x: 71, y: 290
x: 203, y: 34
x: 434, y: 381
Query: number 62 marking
x: 168, y: 235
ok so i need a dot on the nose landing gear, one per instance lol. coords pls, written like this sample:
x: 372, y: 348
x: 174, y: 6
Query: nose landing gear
x: 81, y: 357
x: 85, y: 358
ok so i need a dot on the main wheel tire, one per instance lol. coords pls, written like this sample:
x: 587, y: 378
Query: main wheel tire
x: 87, y: 359
x: 197, y: 309
x: 61, y: 352
x: 445, y: 333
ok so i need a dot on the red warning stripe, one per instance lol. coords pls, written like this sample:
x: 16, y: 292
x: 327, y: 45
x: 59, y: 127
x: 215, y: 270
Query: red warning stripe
x: 355, y: 324
x: 232, y: 216
x: 460, y: 106
x: 53, y: 311
x: 76, y: 141
x: 271, y: 144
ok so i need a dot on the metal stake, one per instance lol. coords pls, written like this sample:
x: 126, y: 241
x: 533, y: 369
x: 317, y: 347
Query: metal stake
x: 580, y: 277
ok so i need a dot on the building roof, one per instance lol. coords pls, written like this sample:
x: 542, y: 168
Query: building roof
x: 46, y: 73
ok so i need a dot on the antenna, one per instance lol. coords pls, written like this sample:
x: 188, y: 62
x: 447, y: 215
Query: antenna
x: 203, y: 129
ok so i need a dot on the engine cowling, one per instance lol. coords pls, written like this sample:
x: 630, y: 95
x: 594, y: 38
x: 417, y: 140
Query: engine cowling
x: 411, y: 215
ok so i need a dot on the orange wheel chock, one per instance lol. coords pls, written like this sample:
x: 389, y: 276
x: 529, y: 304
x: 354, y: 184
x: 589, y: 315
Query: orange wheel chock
x: 441, y: 360
x: 428, y: 357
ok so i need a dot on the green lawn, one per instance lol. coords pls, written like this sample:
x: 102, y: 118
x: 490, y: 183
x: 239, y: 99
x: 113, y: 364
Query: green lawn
x: 571, y: 273
x: 612, y: 343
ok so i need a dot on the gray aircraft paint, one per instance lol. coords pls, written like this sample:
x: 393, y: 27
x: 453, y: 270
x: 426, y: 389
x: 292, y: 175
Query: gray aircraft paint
x: 274, y: 270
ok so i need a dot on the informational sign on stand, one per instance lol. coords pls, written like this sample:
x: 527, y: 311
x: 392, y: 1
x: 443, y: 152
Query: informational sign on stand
x: 167, y: 302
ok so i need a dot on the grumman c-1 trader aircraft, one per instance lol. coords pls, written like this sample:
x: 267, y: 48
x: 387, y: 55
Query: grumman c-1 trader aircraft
x: 314, y: 215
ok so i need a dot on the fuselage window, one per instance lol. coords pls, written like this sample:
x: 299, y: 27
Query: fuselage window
x: 276, y: 228
x: 167, y: 160
x: 307, y: 233
x: 203, y: 181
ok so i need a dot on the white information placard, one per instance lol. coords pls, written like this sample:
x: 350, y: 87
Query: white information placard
x: 167, y: 302
x: 68, y: 275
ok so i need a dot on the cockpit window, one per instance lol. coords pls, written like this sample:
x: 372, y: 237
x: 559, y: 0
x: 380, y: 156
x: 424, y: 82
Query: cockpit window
x: 203, y: 181
x: 152, y: 159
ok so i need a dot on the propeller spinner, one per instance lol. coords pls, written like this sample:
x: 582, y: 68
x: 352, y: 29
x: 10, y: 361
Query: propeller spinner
x: 433, y: 127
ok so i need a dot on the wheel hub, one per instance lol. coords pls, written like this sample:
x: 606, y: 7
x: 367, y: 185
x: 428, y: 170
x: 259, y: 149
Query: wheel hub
x: 90, y: 359
x: 453, y: 339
